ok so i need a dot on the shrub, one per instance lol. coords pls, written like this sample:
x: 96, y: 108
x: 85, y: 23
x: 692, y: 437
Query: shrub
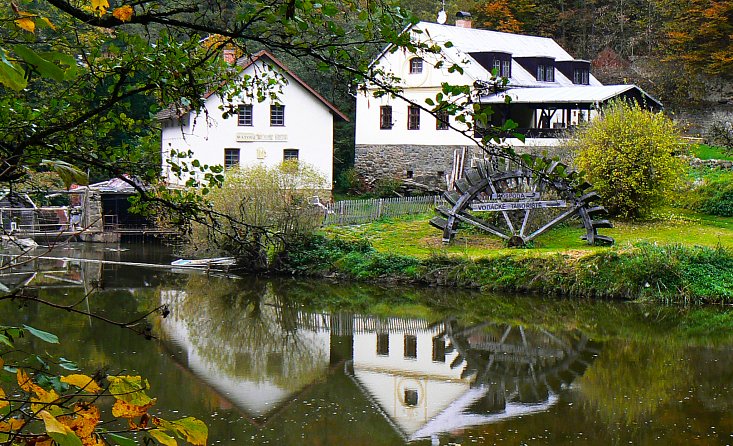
x: 628, y: 154
x: 261, y: 211
x: 714, y: 194
x: 720, y: 132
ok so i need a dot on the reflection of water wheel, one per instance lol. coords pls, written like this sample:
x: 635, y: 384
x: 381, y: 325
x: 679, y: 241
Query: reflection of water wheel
x: 518, y: 203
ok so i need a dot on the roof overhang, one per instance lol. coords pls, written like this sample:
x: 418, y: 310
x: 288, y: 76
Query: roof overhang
x: 565, y: 96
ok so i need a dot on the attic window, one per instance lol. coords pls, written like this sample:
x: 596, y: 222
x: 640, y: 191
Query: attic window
x: 581, y: 76
x: 416, y: 65
x: 545, y: 73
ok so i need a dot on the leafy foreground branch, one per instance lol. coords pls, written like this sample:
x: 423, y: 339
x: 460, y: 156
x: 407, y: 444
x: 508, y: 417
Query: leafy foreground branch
x: 663, y: 273
x: 47, y: 409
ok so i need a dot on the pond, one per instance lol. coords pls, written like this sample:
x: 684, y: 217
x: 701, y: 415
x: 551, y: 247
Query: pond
x: 293, y: 362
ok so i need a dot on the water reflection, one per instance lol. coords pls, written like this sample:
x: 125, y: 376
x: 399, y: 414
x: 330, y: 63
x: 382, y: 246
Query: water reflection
x: 262, y: 366
x: 260, y: 351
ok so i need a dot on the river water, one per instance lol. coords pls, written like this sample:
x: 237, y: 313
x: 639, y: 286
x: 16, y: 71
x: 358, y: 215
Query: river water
x: 289, y: 362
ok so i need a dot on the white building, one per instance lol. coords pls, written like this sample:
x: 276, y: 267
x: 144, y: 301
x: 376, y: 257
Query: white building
x: 549, y: 90
x: 298, y: 124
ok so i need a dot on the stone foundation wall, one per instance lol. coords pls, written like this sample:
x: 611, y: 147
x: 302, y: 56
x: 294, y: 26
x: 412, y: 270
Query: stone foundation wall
x: 423, y: 164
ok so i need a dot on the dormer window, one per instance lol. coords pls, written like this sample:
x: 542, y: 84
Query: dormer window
x: 545, y: 73
x: 578, y: 71
x: 581, y: 76
x: 416, y: 65
x: 496, y: 62
x: 543, y: 67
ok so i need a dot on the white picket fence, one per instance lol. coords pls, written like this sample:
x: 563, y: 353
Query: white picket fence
x: 352, y: 212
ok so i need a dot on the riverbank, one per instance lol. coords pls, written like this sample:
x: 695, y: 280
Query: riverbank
x: 684, y: 259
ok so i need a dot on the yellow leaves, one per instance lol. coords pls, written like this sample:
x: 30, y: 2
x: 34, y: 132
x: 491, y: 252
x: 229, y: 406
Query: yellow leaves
x: 26, y: 23
x: 61, y: 434
x: 122, y: 409
x: 43, y: 397
x: 123, y: 13
x: 3, y: 402
x: 83, y: 382
x: 83, y: 420
x: 100, y: 6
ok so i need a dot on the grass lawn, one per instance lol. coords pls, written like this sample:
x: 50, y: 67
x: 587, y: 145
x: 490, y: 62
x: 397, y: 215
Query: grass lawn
x: 706, y: 152
x: 413, y: 235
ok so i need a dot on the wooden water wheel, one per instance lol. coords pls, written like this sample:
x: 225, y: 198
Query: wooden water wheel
x: 518, y: 203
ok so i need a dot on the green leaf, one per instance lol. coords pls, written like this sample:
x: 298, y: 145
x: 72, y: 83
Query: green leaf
x: 61, y: 434
x: 43, y: 66
x: 12, y: 76
x: 129, y: 389
x: 68, y: 173
x: 162, y: 438
x: 119, y: 439
x: 5, y: 340
x: 43, y: 335
x: 192, y: 429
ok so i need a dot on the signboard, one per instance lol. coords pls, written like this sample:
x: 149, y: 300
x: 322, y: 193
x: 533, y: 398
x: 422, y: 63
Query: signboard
x: 515, y: 195
x: 253, y: 137
x: 518, y: 205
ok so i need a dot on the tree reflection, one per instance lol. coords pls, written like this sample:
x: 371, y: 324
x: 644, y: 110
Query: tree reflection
x: 245, y: 332
x: 632, y: 380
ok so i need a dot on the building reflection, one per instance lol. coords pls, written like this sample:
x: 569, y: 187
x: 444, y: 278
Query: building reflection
x: 426, y: 379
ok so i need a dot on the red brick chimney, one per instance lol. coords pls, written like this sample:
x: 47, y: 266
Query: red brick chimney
x: 230, y: 56
x: 463, y: 19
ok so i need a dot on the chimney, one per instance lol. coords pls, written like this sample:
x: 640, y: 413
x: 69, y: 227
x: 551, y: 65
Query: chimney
x: 230, y: 56
x: 463, y: 19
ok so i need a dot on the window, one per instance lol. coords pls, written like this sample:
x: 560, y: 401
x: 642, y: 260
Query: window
x: 549, y: 73
x: 231, y: 158
x: 497, y: 67
x: 244, y: 115
x: 277, y: 115
x: 581, y: 76
x: 546, y: 73
x: 415, y: 65
x: 290, y: 155
x: 413, y: 117
x: 383, y: 344
x: 439, y: 349
x: 506, y: 68
x: 411, y: 397
x: 410, y: 346
x: 385, y: 117
x: 442, y: 119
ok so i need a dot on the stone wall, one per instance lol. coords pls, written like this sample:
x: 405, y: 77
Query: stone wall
x: 423, y: 164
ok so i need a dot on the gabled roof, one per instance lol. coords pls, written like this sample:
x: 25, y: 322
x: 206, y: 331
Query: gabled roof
x: 471, y: 40
x: 247, y: 61
x: 568, y: 95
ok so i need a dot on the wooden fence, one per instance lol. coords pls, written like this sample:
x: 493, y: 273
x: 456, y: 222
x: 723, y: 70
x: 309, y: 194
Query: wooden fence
x: 352, y: 212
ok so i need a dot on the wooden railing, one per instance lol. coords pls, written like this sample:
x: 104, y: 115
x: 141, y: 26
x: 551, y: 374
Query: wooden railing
x: 352, y: 212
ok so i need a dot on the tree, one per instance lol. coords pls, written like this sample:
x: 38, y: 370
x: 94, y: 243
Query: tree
x: 700, y: 34
x: 500, y: 15
x: 628, y: 154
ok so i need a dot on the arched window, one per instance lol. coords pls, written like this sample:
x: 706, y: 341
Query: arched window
x: 416, y: 65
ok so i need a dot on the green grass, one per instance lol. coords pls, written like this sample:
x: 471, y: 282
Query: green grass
x: 706, y: 152
x: 413, y: 236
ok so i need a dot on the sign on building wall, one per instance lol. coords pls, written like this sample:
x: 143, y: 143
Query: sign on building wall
x: 257, y: 137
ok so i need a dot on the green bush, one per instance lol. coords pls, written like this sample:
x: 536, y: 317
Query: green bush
x: 713, y: 195
x: 260, y: 211
x: 628, y: 154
